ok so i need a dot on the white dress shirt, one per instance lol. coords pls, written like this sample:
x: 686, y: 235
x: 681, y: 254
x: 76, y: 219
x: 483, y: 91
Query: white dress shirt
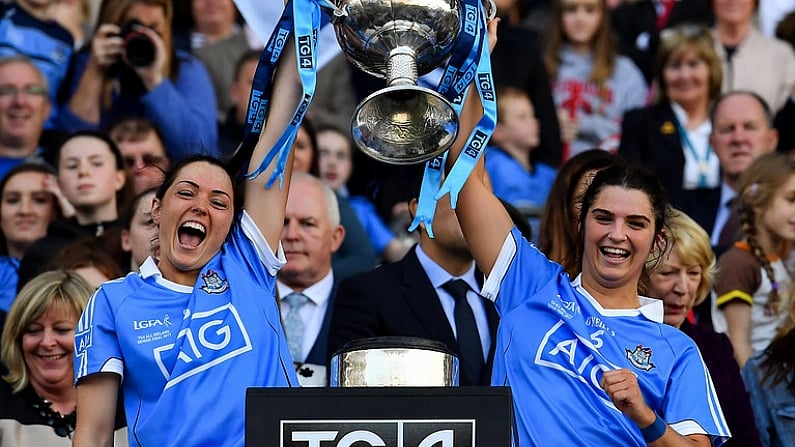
x: 313, y: 312
x: 438, y: 276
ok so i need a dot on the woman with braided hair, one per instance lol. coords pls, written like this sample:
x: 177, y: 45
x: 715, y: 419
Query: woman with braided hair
x: 753, y: 286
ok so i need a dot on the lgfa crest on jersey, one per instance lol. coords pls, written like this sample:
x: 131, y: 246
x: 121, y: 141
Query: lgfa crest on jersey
x: 640, y: 358
x: 213, y: 283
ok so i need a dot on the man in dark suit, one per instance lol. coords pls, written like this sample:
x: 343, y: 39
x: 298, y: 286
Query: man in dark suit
x: 411, y: 298
x: 312, y: 232
x: 742, y: 130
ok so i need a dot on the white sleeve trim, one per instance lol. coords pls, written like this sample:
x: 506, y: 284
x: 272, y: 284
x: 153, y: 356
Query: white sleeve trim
x: 691, y: 427
x: 273, y: 262
x: 688, y: 427
x: 491, y: 287
x: 113, y: 365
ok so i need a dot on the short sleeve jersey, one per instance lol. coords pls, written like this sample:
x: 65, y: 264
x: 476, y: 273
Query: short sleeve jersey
x: 555, y: 341
x: 188, y: 354
x: 741, y: 277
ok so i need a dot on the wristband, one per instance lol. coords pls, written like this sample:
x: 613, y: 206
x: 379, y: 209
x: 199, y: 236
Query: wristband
x: 654, y: 431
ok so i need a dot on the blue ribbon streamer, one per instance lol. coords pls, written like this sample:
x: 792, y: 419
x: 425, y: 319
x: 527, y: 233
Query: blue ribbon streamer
x: 476, y: 143
x: 301, y: 19
x: 464, y: 61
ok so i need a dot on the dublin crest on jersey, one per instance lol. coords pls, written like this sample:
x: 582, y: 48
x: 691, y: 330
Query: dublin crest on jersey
x: 213, y: 283
x: 640, y: 358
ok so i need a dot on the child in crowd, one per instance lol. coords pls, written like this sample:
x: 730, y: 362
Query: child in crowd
x: 91, y: 176
x: 356, y: 254
x: 753, y: 286
x: 592, y: 85
x: 335, y: 166
x: 768, y: 377
x: 514, y: 178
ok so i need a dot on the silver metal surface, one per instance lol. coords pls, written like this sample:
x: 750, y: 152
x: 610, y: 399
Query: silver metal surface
x: 393, y: 361
x: 400, y: 40
x: 491, y: 9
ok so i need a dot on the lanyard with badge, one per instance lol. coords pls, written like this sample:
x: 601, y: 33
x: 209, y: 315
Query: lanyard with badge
x: 702, y: 162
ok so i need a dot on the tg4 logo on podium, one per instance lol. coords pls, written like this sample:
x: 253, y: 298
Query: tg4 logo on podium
x: 378, y: 433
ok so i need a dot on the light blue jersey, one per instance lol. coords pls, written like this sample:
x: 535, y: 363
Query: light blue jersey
x: 187, y: 354
x: 555, y: 341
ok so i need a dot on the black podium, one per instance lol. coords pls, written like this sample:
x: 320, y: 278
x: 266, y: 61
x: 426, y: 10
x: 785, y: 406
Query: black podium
x: 385, y: 417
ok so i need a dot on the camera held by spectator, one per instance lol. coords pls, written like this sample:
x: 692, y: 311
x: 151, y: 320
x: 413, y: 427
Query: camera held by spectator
x: 139, y: 49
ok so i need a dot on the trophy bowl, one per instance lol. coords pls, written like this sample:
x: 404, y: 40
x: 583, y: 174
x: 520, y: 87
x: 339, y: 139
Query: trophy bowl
x: 400, y: 40
x: 393, y: 361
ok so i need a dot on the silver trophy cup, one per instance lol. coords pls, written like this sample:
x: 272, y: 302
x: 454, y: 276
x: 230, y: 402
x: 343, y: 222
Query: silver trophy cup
x: 393, y: 361
x: 400, y: 40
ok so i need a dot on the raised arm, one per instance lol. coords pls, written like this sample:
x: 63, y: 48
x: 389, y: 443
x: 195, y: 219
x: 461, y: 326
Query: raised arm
x: 84, y: 102
x: 266, y: 205
x: 483, y: 219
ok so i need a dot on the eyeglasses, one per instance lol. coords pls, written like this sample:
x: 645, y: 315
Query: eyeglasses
x: 146, y: 160
x: 30, y: 90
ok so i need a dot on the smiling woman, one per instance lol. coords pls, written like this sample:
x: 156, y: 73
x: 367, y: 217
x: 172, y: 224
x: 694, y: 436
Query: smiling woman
x: 38, y: 339
x: 201, y: 320
x: 601, y: 351
x: 672, y: 137
x: 27, y: 206
x: 589, y: 362
x: 684, y: 279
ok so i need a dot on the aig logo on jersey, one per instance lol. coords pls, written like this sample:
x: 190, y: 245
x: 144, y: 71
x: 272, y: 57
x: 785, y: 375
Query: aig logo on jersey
x: 382, y: 433
x: 576, y: 356
x: 210, y: 338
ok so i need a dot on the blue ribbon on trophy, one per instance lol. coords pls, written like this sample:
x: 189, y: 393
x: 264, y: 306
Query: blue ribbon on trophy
x: 300, y: 20
x: 404, y: 123
x: 476, y: 143
x: 470, y: 60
